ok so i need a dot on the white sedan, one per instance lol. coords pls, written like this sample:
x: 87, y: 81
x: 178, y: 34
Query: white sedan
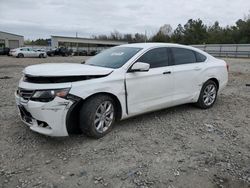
x: 121, y: 82
x: 28, y: 52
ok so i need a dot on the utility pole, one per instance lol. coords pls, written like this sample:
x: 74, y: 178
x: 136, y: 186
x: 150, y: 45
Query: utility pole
x: 77, y: 45
x: 145, y: 36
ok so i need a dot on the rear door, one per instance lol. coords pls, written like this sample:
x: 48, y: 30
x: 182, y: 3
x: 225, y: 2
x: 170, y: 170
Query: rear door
x: 187, y: 74
x: 27, y: 52
x: 148, y: 91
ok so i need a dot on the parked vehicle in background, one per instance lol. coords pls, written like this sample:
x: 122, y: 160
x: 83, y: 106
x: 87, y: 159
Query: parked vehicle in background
x: 51, y: 52
x: 93, y: 52
x: 27, y: 52
x: 120, y: 82
x: 40, y: 50
x: 4, y: 51
x: 62, y: 51
x: 80, y: 53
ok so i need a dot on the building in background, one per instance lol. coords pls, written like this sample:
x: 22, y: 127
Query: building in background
x: 10, y: 40
x: 77, y: 43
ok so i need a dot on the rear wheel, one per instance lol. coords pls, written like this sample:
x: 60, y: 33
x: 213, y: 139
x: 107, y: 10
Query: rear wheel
x: 20, y: 55
x: 97, y: 116
x: 208, y: 95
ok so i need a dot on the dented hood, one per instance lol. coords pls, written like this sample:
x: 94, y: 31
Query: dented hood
x: 65, y: 69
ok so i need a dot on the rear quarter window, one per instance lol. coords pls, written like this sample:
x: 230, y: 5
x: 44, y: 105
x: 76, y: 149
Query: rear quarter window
x: 200, y: 57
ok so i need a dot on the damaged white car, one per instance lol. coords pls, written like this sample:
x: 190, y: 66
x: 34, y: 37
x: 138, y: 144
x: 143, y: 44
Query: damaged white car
x: 121, y: 82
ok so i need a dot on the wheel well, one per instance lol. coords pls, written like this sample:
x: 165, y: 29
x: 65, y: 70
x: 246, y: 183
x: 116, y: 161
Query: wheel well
x: 216, y: 82
x: 72, y: 119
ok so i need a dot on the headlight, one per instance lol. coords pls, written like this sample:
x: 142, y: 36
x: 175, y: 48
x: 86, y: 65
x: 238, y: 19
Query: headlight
x: 49, y: 95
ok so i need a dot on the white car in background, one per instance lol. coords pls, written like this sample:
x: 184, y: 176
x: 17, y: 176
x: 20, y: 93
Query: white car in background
x: 28, y: 52
x: 58, y: 98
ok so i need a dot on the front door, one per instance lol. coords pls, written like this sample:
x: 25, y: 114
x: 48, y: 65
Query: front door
x: 152, y: 90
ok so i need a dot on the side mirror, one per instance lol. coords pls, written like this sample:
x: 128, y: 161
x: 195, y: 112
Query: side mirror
x: 140, y: 67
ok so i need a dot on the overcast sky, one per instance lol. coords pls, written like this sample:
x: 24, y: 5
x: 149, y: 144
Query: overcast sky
x: 43, y: 18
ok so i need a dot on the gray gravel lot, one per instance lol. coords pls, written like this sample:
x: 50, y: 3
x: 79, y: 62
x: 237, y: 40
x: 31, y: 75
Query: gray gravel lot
x: 177, y: 147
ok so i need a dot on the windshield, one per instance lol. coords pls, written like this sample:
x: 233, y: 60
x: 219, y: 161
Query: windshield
x: 114, y: 57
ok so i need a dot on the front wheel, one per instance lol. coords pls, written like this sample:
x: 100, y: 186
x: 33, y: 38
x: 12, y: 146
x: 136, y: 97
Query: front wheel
x: 208, y: 95
x: 97, y: 116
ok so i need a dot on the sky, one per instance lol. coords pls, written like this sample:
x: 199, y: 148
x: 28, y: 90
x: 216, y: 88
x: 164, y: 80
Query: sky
x: 42, y: 18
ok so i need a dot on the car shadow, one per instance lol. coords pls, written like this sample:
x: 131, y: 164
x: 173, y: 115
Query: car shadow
x: 120, y: 126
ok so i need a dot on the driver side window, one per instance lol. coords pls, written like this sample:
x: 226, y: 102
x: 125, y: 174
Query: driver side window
x: 157, y: 57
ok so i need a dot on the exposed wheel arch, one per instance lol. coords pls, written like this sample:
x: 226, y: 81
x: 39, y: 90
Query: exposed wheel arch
x: 73, y: 115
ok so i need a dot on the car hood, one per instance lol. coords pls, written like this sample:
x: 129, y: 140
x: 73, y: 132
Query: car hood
x: 65, y: 69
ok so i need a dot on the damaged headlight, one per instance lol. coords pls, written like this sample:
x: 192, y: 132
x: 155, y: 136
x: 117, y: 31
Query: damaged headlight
x: 49, y: 95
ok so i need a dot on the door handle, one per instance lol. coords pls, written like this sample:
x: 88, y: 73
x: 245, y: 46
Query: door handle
x: 197, y: 68
x: 167, y: 72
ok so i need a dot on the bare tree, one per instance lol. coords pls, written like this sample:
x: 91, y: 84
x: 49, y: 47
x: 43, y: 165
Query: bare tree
x: 116, y: 35
x: 166, y: 30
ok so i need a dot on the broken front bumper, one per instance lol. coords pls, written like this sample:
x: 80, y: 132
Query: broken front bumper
x: 46, y: 118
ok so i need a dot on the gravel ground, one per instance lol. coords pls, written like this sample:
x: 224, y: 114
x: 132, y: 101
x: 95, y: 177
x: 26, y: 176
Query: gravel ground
x: 177, y: 147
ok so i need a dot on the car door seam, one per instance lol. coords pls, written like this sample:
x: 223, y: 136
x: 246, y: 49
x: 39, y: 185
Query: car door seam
x: 126, y: 95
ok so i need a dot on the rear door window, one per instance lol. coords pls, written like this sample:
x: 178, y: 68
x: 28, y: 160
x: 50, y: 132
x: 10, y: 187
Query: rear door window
x: 183, y: 56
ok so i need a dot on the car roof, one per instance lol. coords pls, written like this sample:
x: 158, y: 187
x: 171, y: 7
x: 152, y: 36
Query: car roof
x: 150, y: 45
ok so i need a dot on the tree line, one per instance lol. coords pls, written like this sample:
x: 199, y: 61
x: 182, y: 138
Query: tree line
x: 193, y: 32
x: 37, y: 42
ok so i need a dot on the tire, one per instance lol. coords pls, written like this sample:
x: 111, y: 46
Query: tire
x: 208, y: 95
x: 40, y: 55
x: 97, y: 116
x: 20, y: 55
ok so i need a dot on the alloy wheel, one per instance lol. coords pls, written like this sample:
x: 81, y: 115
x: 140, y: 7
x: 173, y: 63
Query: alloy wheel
x: 209, y: 94
x: 104, y: 116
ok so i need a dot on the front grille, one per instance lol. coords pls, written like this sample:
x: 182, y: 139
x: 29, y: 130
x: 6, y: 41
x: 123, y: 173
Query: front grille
x: 25, y: 94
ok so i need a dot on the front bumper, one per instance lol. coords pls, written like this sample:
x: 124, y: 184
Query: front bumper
x: 45, y: 118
